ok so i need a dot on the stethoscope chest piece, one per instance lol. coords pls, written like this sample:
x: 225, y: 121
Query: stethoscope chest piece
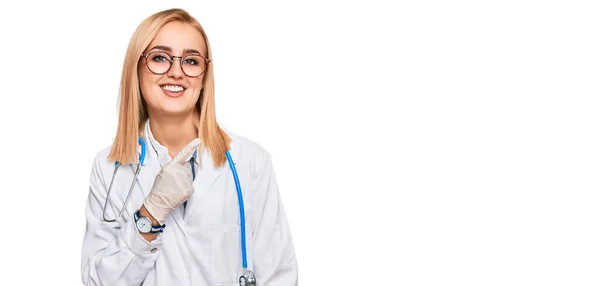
x: 248, y: 279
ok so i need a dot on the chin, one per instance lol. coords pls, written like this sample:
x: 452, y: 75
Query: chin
x: 176, y: 110
x: 172, y: 106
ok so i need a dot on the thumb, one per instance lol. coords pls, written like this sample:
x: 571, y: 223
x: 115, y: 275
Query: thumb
x: 186, y: 152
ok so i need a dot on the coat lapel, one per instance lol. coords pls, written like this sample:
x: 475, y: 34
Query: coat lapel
x: 206, y: 177
x: 147, y: 173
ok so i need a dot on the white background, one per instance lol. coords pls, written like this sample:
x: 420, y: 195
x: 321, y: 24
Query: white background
x: 415, y: 142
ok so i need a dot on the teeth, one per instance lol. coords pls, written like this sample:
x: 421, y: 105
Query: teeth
x: 172, y: 87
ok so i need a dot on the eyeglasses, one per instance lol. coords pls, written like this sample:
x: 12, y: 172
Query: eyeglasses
x: 161, y: 62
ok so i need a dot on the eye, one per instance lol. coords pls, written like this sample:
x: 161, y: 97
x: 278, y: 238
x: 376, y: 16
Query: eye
x: 159, y: 58
x: 191, y: 61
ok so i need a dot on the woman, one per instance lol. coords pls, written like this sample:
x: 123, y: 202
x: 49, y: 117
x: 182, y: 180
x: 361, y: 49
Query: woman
x: 181, y: 223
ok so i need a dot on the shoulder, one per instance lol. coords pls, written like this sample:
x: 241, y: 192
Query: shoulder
x: 250, y: 152
x: 247, y: 146
x: 102, y: 156
x: 101, y: 164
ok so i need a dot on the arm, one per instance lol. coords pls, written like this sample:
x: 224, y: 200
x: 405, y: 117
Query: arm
x: 112, y: 255
x: 273, y: 252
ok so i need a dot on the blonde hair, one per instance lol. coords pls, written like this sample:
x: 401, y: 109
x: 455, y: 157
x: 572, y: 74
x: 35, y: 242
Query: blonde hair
x: 133, y: 112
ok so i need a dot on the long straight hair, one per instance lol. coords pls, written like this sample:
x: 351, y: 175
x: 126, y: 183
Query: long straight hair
x: 133, y: 111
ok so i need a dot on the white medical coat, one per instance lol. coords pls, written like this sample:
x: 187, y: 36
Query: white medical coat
x: 200, y: 246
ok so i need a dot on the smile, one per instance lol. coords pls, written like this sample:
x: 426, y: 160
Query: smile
x: 173, y: 88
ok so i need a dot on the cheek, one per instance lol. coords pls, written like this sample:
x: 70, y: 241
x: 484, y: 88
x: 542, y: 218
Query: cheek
x: 147, y: 82
x: 196, y: 84
x: 196, y: 88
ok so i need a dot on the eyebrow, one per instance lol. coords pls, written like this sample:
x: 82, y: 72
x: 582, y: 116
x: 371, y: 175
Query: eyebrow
x: 168, y: 49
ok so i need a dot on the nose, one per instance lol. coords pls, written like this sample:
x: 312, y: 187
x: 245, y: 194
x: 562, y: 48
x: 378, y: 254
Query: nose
x: 176, y: 70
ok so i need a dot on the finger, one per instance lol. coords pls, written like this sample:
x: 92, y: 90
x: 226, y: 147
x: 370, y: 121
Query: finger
x: 186, y: 152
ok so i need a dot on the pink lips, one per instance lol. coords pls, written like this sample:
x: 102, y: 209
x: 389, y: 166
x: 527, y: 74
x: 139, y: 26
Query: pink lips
x: 173, y: 94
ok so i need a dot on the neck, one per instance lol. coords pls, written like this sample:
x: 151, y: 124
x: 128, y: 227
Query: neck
x: 173, y: 132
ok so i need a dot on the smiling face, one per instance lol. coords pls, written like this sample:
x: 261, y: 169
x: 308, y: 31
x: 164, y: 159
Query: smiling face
x: 173, y: 92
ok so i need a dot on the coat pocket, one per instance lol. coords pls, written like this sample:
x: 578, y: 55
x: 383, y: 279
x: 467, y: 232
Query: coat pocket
x: 226, y: 254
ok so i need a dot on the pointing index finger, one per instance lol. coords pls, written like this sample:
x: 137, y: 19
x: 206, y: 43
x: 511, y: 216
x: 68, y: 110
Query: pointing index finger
x: 186, y: 152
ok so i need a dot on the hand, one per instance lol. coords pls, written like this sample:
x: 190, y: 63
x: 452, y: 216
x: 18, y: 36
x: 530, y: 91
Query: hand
x: 172, y: 186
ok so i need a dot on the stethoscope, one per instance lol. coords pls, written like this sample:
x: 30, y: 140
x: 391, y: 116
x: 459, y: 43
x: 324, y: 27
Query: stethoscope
x: 248, y: 278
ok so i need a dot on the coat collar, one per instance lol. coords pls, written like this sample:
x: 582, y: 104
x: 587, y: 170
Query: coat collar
x: 163, y: 154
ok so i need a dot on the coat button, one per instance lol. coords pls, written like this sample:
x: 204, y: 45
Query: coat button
x: 153, y: 250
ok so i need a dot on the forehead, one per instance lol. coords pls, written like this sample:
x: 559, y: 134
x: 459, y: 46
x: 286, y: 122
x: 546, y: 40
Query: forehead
x: 179, y: 36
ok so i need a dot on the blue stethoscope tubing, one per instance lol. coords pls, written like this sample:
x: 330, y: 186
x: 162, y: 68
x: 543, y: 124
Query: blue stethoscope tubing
x: 237, y: 187
x: 241, y: 204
